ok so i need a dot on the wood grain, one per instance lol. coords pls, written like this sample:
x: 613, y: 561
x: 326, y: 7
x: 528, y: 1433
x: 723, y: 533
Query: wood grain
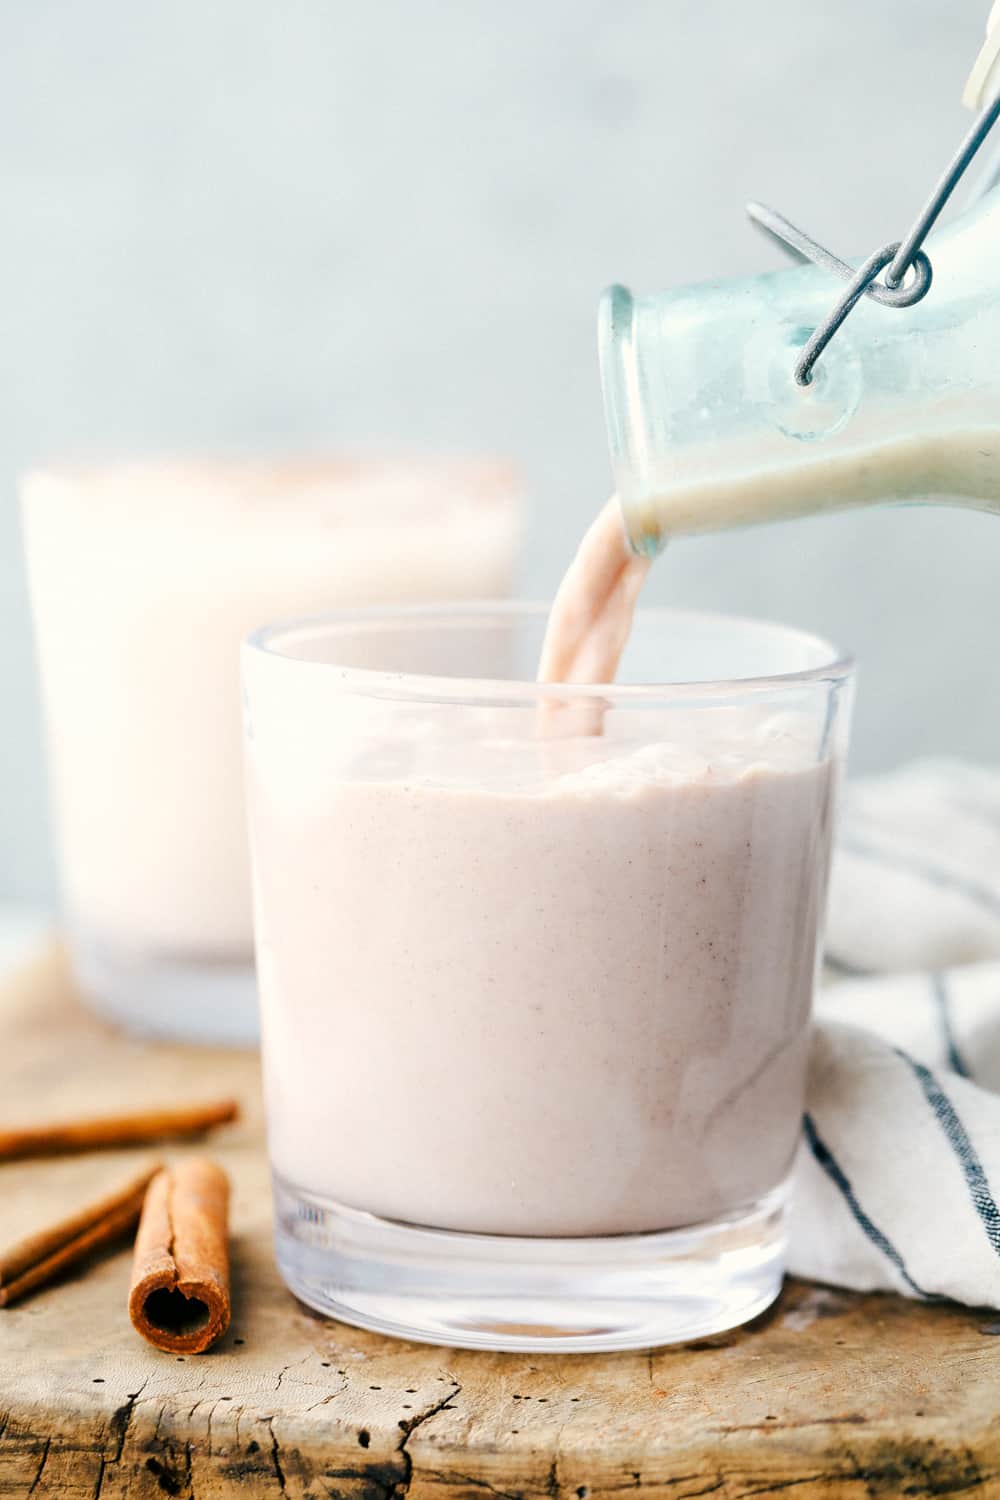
x: 831, y: 1395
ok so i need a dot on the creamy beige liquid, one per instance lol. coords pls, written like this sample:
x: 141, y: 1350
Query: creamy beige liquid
x: 955, y: 465
x: 144, y: 578
x: 541, y: 995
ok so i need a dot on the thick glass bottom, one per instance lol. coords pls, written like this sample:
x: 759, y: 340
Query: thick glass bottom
x: 175, y: 999
x: 473, y: 1291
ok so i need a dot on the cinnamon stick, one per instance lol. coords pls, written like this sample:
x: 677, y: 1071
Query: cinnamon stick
x: 108, y: 1131
x: 37, y: 1259
x: 179, y: 1297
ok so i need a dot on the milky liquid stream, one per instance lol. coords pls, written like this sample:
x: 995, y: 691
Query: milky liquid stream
x: 592, y: 613
x: 590, y: 622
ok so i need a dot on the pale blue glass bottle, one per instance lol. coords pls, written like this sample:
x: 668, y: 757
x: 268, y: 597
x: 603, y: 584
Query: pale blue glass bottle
x: 709, y: 428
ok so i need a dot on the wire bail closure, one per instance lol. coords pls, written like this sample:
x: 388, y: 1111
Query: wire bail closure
x: 898, y: 288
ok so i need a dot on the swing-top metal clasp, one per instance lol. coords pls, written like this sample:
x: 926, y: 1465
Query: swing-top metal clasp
x: 908, y: 272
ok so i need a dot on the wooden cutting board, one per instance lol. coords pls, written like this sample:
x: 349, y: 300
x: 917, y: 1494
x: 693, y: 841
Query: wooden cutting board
x: 830, y: 1394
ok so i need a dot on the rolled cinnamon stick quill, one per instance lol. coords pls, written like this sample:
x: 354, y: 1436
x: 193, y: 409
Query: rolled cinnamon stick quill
x: 38, y: 1259
x: 179, y: 1298
x: 175, y: 1122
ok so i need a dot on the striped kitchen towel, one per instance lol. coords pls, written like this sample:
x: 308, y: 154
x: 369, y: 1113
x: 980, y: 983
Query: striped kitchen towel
x: 898, y: 1177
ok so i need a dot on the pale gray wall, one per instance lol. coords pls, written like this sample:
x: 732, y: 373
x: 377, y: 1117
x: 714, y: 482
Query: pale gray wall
x: 281, y: 222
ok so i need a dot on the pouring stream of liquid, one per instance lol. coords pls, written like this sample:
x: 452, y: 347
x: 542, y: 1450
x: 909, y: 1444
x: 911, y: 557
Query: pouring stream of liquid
x: 591, y: 616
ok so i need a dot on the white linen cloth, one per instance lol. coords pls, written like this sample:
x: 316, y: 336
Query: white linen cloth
x: 897, y: 1182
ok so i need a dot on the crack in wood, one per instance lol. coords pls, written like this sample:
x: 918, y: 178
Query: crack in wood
x: 412, y: 1425
x: 774, y: 1486
x: 852, y: 1419
x: 208, y: 1432
x: 279, y: 1472
x: 295, y: 1364
x: 453, y: 1479
x: 331, y: 1395
x: 45, y: 1458
x: 121, y: 1420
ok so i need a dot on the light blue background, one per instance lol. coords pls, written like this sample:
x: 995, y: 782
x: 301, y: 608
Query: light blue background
x: 278, y: 223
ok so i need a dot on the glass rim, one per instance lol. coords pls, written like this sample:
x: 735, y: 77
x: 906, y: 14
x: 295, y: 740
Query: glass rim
x: 267, y: 640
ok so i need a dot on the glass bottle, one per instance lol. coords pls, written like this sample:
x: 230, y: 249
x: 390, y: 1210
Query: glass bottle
x: 709, y: 428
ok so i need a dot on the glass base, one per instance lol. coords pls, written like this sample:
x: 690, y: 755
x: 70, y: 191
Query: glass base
x: 474, y: 1291
x: 173, y: 999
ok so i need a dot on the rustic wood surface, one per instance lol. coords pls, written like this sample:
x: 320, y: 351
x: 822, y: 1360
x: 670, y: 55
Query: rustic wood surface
x: 830, y: 1394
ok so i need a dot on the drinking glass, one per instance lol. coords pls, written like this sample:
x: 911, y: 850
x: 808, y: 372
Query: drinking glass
x: 536, y: 982
x: 144, y: 579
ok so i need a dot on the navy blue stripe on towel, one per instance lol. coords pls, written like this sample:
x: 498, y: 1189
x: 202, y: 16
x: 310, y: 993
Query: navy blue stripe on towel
x: 838, y: 1177
x: 958, y: 1138
x: 844, y: 968
x: 942, y: 1000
